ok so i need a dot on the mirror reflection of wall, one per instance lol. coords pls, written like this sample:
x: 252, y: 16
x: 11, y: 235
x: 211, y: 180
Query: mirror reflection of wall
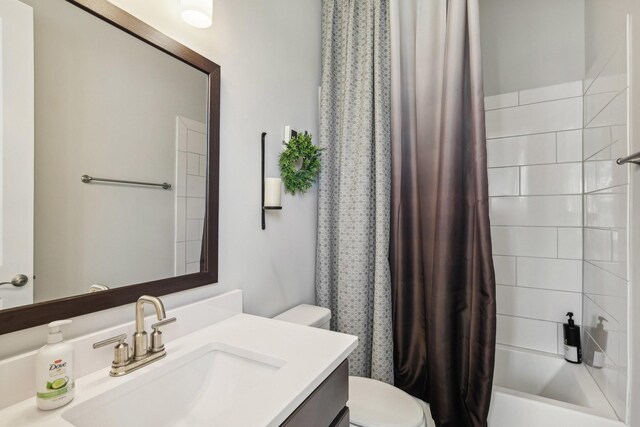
x: 109, y: 105
x: 16, y: 153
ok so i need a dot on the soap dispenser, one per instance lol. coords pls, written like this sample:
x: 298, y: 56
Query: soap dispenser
x: 572, y: 348
x: 54, y: 370
x: 600, y: 336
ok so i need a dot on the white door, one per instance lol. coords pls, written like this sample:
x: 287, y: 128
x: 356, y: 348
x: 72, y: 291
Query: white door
x: 16, y: 151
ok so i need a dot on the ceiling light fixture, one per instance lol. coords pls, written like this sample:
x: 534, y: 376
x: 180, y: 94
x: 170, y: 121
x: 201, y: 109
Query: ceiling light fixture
x: 198, y: 13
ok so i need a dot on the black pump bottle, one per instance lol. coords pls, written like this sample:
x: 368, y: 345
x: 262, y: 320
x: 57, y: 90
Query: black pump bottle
x: 572, y: 348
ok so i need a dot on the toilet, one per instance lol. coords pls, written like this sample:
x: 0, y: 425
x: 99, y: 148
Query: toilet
x: 371, y: 403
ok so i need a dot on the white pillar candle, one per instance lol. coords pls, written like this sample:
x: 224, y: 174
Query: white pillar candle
x: 272, y: 192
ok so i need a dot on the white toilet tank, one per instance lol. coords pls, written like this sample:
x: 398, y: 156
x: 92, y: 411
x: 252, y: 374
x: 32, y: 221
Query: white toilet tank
x: 308, y: 315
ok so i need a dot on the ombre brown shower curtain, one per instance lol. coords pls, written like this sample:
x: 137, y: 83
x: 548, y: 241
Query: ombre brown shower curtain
x: 443, y: 280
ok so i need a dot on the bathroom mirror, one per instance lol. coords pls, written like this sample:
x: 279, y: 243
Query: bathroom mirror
x: 110, y: 165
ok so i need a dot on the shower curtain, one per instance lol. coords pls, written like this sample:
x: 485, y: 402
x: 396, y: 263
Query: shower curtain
x: 443, y: 280
x: 352, y: 266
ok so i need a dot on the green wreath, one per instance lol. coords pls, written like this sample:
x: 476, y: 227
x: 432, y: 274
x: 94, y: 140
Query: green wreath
x: 299, y: 148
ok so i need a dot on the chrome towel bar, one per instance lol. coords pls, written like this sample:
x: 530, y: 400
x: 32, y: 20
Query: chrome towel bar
x: 633, y: 158
x: 88, y: 179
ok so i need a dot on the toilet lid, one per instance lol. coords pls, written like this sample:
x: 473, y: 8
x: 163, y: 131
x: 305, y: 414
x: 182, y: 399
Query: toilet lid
x: 376, y: 404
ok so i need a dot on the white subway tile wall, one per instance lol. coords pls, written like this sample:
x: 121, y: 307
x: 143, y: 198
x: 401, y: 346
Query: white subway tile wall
x: 538, y: 211
x: 595, y: 139
x: 548, y: 273
x: 550, y: 93
x: 534, y: 155
x: 563, y: 178
x: 569, y: 146
x: 543, y: 117
x: 501, y: 101
x: 525, y: 241
x: 504, y: 182
x: 570, y: 243
x: 539, y: 304
x: 559, y: 214
x: 522, y: 150
x: 191, y: 187
x: 527, y: 333
x: 606, y: 184
x: 505, y: 267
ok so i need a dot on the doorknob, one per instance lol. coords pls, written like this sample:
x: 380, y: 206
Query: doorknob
x: 19, y: 280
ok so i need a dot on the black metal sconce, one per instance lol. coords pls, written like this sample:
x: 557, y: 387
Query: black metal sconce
x: 264, y: 208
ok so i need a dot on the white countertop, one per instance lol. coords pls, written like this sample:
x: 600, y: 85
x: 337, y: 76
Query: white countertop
x: 310, y: 355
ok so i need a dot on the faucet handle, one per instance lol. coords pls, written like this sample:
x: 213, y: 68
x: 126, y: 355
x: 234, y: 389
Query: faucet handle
x: 156, y: 336
x: 158, y: 325
x: 120, y: 351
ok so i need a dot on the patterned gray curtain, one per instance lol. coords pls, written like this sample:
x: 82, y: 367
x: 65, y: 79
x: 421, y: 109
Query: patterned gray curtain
x: 352, y: 267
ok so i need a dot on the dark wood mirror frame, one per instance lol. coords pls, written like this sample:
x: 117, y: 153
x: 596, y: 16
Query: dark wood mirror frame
x: 18, y: 318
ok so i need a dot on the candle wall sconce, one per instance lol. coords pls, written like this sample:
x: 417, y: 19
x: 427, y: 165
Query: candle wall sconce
x: 271, y: 198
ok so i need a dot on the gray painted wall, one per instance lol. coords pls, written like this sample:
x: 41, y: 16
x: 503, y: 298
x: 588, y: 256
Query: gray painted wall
x: 256, y: 42
x: 528, y: 44
x: 604, y: 32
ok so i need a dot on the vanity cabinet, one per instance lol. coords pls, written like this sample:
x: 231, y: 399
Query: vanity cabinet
x: 327, y: 405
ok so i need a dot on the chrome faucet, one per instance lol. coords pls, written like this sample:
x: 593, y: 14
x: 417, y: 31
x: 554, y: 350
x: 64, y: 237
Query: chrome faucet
x: 142, y: 353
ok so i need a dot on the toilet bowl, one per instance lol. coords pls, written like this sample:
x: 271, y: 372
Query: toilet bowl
x: 371, y: 403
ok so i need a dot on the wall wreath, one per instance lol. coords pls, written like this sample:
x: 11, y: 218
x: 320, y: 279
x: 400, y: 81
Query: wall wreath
x: 299, y: 149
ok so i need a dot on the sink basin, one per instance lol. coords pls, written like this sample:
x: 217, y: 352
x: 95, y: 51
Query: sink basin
x: 190, y: 391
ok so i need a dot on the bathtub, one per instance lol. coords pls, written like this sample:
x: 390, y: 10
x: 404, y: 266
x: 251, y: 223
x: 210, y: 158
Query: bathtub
x: 534, y: 389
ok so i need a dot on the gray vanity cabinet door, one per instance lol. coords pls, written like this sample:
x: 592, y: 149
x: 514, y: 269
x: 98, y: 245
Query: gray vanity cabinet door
x: 343, y: 419
x: 326, y: 406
